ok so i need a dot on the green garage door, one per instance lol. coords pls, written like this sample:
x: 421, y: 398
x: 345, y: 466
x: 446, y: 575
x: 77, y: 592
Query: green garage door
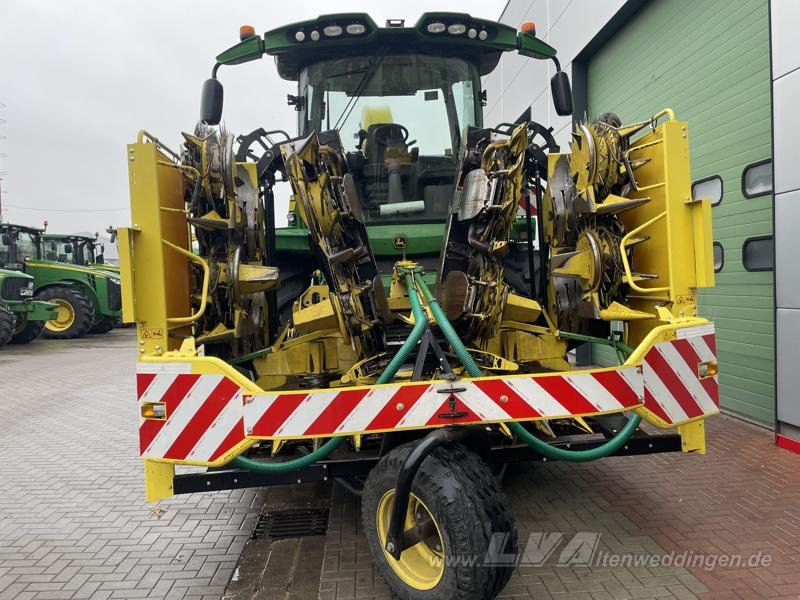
x: 709, y: 61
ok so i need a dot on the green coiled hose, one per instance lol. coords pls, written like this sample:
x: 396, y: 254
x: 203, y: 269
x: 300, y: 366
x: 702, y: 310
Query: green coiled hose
x: 289, y: 466
x: 516, y: 428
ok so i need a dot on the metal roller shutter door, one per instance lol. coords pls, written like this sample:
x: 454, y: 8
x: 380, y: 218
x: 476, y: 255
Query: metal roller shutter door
x: 709, y: 61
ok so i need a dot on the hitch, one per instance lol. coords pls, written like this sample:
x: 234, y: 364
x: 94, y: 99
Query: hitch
x: 397, y: 539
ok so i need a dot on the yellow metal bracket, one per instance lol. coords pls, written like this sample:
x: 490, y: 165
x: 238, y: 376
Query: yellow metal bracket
x: 624, y: 242
x: 158, y: 478
x: 693, y: 436
x: 204, y: 294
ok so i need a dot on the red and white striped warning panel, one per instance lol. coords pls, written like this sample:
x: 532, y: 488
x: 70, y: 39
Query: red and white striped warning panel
x: 417, y: 405
x: 202, y: 413
x: 676, y: 389
x: 205, y: 416
x: 199, y: 418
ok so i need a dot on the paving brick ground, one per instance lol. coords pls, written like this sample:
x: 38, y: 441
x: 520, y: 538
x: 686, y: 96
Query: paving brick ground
x: 73, y: 521
x: 742, y: 498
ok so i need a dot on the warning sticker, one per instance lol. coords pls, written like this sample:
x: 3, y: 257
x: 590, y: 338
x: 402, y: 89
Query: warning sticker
x: 149, y: 334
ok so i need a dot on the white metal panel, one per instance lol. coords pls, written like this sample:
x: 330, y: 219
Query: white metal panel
x: 578, y: 24
x: 568, y: 25
x: 785, y: 43
x: 788, y: 323
x: 521, y: 91
x: 787, y: 249
x: 786, y: 124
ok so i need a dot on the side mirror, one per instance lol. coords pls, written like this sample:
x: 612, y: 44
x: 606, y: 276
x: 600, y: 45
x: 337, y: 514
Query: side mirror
x: 6, y: 239
x: 113, y: 236
x: 68, y: 248
x: 211, y: 102
x: 562, y: 93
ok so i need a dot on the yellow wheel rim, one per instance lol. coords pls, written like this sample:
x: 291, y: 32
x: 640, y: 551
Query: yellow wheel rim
x: 65, y: 316
x: 421, y: 566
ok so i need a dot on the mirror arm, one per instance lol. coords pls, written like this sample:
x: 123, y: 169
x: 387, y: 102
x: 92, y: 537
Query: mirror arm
x: 215, y: 69
x: 558, y: 64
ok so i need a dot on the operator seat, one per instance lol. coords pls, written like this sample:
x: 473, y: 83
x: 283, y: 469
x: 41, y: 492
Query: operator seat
x: 373, y: 120
x: 384, y: 145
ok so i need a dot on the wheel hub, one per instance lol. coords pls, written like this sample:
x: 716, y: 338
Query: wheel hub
x: 65, y: 316
x: 422, y: 565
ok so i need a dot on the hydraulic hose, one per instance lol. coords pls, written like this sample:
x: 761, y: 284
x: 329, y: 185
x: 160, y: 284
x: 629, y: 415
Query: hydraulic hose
x: 554, y: 453
x: 449, y: 333
x: 516, y: 428
x: 289, y: 466
x: 420, y: 325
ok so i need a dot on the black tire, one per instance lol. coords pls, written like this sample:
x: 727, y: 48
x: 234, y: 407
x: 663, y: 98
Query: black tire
x: 461, y: 494
x: 104, y: 325
x: 74, y: 300
x: 26, y: 331
x: 7, y: 320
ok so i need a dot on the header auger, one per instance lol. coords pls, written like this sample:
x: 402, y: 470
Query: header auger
x: 403, y: 330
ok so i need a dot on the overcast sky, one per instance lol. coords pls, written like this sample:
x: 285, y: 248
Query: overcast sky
x: 79, y: 78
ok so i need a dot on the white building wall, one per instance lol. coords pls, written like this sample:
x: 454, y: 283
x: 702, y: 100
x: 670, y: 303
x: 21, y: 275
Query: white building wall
x: 785, y: 23
x: 519, y: 82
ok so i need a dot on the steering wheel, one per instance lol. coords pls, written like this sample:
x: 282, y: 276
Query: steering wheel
x: 387, y: 140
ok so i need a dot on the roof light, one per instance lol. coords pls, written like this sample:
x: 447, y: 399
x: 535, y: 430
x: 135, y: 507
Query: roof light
x: 356, y: 29
x: 246, y: 32
x: 332, y: 30
x: 528, y: 27
x: 436, y: 27
x: 314, y: 35
x: 299, y: 36
x: 472, y: 33
x: 456, y: 29
x: 483, y: 35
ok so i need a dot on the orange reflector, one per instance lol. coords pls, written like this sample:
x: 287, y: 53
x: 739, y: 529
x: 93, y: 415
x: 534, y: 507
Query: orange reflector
x: 154, y: 410
x: 707, y: 369
x: 528, y: 27
x: 246, y: 32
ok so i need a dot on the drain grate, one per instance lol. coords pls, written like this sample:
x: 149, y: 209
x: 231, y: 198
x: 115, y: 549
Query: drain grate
x: 294, y: 523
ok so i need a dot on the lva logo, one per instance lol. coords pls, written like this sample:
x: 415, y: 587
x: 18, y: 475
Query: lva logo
x: 577, y: 550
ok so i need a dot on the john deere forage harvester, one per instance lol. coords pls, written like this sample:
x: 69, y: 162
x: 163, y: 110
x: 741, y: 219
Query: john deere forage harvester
x: 396, y: 336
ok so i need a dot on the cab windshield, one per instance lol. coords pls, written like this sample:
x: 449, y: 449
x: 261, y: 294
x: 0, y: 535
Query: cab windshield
x: 433, y: 96
x: 27, y: 247
x: 400, y: 118
x: 76, y: 252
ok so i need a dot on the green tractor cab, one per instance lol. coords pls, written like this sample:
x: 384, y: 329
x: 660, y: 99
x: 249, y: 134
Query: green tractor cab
x: 87, y: 299
x: 81, y: 250
x: 402, y: 100
x: 22, y: 318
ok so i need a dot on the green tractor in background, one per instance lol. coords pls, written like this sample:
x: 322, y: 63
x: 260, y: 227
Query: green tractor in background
x: 21, y: 317
x: 88, y: 299
x: 76, y: 249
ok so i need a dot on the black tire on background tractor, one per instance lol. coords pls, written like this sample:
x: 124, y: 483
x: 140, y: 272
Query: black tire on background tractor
x: 103, y: 325
x: 26, y: 331
x: 455, y: 488
x: 75, y: 313
x: 7, y: 320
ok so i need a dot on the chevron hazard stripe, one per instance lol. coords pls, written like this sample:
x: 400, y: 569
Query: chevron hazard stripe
x: 203, y: 414
x: 673, y: 389
x: 417, y: 405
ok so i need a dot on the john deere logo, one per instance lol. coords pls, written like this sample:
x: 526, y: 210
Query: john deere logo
x: 400, y: 242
